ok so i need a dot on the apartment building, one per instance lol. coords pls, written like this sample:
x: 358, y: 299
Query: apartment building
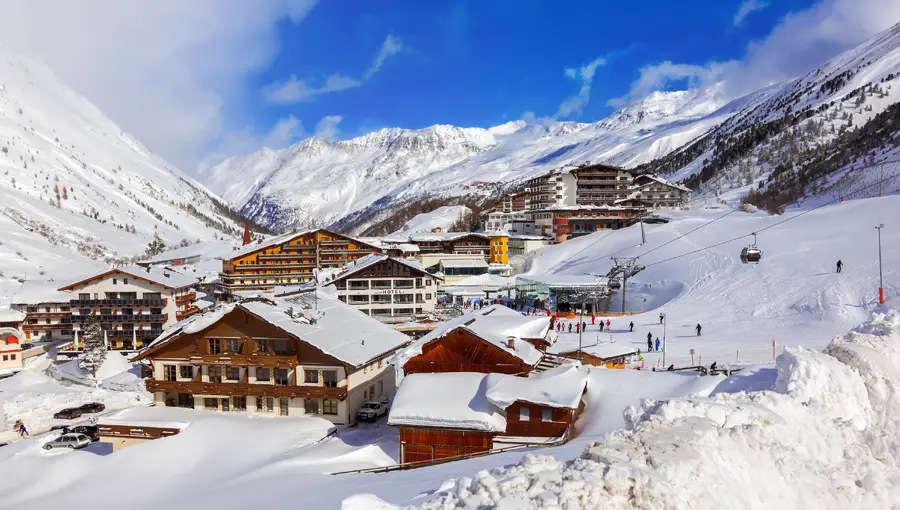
x: 289, y: 259
x: 601, y: 184
x: 309, y: 354
x: 11, y: 360
x: 132, y: 305
x: 557, y: 188
x: 524, y: 244
x: 514, y: 202
x: 655, y: 192
x: 388, y: 289
x: 563, y: 223
x: 48, y: 313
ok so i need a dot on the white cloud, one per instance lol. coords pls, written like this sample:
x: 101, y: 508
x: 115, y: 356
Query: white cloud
x: 171, y: 72
x: 575, y: 104
x: 247, y: 139
x: 799, y: 42
x: 284, y: 132
x: 747, y: 7
x: 294, y: 90
x: 327, y: 127
x: 390, y: 47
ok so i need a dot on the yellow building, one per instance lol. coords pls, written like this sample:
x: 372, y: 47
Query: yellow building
x: 499, y: 248
x: 289, y: 259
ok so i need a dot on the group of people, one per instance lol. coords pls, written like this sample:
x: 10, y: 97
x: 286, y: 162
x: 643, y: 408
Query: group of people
x: 20, y: 429
x: 581, y: 326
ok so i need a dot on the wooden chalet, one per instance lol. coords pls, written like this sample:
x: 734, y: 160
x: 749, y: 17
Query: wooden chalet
x: 306, y: 355
x: 493, y: 340
x: 606, y: 354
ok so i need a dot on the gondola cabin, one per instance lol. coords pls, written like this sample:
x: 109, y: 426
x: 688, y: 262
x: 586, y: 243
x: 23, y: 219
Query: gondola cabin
x: 751, y: 255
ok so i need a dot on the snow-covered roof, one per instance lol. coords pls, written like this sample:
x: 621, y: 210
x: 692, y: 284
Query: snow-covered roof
x: 460, y: 263
x: 279, y: 240
x: 158, y: 417
x: 530, y: 237
x: 10, y: 315
x: 564, y: 280
x: 607, y: 350
x: 370, y: 260
x: 495, y: 324
x: 663, y: 181
x: 164, y: 277
x: 203, y: 249
x: 603, y: 207
x: 33, y: 292
x: 338, y: 330
x: 403, y: 247
x: 561, y: 386
x: 446, y: 400
x: 486, y: 280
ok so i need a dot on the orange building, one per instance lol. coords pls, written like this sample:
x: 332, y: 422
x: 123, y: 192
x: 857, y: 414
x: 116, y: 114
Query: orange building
x: 289, y: 259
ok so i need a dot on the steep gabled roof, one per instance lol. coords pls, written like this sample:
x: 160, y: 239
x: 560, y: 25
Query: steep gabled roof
x: 281, y: 239
x: 371, y: 260
x: 495, y: 324
x: 166, y: 278
x: 337, y: 329
x: 662, y: 181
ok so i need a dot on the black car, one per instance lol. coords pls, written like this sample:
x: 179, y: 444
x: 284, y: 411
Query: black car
x: 93, y: 407
x: 68, y: 414
x: 25, y: 347
x: 90, y: 431
x: 62, y: 428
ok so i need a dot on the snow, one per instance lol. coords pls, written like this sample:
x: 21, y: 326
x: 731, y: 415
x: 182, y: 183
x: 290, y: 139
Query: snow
x: 161, y: 276
x: 447, y: 400
x: 823, y: 437
x: 40, y: 291
x: 114, y: 364
x: 362, y: 263
x: 603, y: 350
x: 472, y: 263
x: 9, y: 315
x: 442, y: 218
x: 562, y: 386
x: 160, y: 417
x: 495, y: 324
x: 205, y: 250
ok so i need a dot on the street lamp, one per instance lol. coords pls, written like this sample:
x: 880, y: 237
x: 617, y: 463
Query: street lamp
x: 664, y: 339
x: 881, y: 298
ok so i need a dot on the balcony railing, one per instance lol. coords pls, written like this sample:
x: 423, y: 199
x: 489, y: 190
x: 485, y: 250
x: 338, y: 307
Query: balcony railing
x: 256, y: 359
x: 339, y: 251
x: 185, y: 298
x: 333, y: 242
x: 279, y: 265
x: 275, y: 256
x: 247, y: 389
x: 44, y: 327
x: 47, y: 315
x: 118, y: 302
x: 132, y: 332
x: 137, y: 317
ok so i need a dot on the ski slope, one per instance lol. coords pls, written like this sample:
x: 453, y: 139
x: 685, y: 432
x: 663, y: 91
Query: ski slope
x: 793, y: 296
x: 442, y: 217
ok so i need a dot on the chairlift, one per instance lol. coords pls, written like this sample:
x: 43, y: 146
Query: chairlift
x: 751, y: 254
x: 615, y: 283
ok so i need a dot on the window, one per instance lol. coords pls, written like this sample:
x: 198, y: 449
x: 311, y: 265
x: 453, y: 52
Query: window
x: 225, y: 404
x: 210, y: 403
x: 428, y: 283
x: 524, y: 414
x: 6, y: 357
x: 265, y: 404
x: 125, y: 281
x: 115, y: 281
x: 170, y: 371
x: 330, y: 407
x: 238, y: 403
x: 311, y: 376
x: 281, y: 376
x: 381, y: 387
x: 380, y: 362
x: 215, y: 374
x: 279, y: 347
x: 310, y: 406
x: 224, y: 345
x: 329, y: 378
x: 263, y: 374
x: 185, y: 400
x: 546, y: 414
x: 427, y: 296
x: 233, y: 373
x: 84, y: 296
x: 372, y: 391
x: 418, y: 283
x: 152, y: 295
x: 284, y: 406
x: 186, y: 372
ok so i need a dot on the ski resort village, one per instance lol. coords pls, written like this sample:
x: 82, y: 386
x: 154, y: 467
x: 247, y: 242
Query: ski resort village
x: 691, y: 301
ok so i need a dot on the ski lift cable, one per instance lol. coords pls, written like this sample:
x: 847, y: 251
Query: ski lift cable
x: 688, y: 233
x: 757, y: 231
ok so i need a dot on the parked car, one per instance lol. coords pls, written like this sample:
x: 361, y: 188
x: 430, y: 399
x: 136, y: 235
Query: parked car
x: 68, y: 414
x: 71, y: 441
x: 62, y: 428
x: 372, y: 410
x: 25, y: 347
x: 93, y: 407
x: 90, y: 431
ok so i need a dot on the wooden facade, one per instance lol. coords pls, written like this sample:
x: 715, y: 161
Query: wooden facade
x: 135, y: 431
x: 428, y: 444
x: 617, y: 362
x: 543, y: 421
x: 462, y: 351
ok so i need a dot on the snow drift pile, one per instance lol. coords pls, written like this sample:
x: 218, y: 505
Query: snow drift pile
x: 825, y: 437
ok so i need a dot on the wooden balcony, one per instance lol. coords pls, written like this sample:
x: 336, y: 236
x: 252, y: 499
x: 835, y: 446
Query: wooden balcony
x: 48, y: 315
x: 243, y: 389
x: 183, y: 314
x: 186, y: 298
x: 255, y: 359
x: 44, y: 327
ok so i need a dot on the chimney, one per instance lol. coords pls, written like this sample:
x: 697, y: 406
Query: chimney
x: 511, y: 342
x: 247, y: 232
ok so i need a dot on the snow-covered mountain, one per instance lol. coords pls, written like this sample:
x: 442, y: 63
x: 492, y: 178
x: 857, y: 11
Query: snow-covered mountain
x: 679, y: 133
x: 75, y: 187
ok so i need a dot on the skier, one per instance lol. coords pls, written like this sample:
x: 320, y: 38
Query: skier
x: 601, y: 325
x: 698, y: 328
x: 649, y: 343
x: 608, y: 323
x: 23, y: 432
x: 712, y: 367
x: 657, y: 343
x: 631, y: 327
x: 839, y: 266
x: 661, y: 317
x: 593, y: 320
x: 577, y: 327
x: 570, y: 327
x: 583, y: 326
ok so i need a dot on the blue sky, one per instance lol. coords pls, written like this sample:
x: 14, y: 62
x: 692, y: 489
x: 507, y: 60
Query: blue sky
x: 482, y: 63
x: 201, y: 80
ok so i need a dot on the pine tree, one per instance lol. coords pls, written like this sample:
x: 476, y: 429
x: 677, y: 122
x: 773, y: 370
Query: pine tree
x: 156, y: 246
x: 94, y: 348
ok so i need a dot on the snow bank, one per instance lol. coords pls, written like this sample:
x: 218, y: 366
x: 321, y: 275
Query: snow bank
x: 562, y: 386
x: 453, y: 400
x: 825, y: 437
x: 114, y: 364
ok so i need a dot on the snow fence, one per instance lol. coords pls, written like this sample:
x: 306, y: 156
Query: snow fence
x: 827, y: 436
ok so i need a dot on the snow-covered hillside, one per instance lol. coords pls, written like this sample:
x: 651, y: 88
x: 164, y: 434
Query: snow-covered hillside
x: 339, y: 178
x: 74, y: 186
x: 442, y: 217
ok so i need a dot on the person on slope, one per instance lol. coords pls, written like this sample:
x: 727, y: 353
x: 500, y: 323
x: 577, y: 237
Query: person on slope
x: 839, y: 266
x: 608, y: 323
x: 583, y: 326
x: 649, y: 343
x: 631, y: 327
x: 698, y: 328
x: 570, y: 327
x: 657, y: 343
x: 593, y: 320
x: 661, y: 317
